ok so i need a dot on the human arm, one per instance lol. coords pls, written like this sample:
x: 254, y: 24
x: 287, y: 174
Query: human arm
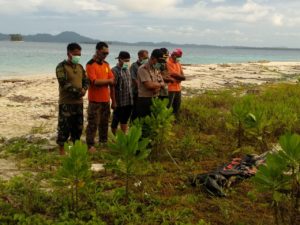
x: 168, y: 79
x: 148, y: 81
x: 103, y: 82
x: 113, y: 96
x: 177, y: 77
x: 153, y: 86
x: 113, y: 89
x: 93, y: 78
x: 85, y: 83
x: 133, y: 74
x: 176, y: 74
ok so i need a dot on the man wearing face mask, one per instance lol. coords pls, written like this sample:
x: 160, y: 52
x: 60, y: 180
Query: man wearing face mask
x: 123, y: 92
x: 150, y: 82
x: 73, y: 84
x: 142, y: 59
x: 175, y: 71
x: 100, y: 92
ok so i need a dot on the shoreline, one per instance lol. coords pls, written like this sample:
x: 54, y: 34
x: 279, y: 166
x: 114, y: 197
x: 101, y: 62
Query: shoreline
x: 50, y: 74
x: 30, y: 103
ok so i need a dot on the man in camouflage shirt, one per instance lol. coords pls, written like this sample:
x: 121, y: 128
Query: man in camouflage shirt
x: 73, y: 84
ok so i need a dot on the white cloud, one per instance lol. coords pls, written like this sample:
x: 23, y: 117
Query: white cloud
x: 94, y: 5
x: 174, y: 20
x: 146, y: 5
x: 17, y: 6
x: 217, y: 1
x: 56, y: 6
x: 277, y: 20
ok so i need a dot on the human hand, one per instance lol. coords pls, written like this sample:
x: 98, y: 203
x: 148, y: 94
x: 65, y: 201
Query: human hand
x: 111, y: 81
x: 113, y: 105
x: 82, y: 92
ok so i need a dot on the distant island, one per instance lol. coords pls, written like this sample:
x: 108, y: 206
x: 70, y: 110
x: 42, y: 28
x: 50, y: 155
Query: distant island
x: 70, y: 36
x: 63, y: 37
x: 16, y: 37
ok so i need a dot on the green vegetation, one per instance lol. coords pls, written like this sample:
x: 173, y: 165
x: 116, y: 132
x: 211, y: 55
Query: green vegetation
x: 212, y: 128
x: 128, y: 151
x: 158, y: 126
x: 281, y: 178
x: 75, y: 171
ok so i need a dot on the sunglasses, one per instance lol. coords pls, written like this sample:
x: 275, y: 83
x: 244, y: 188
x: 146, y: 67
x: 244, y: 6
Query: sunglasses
x: 104, y: 53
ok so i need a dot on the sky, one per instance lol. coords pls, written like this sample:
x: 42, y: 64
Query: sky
x: 254, y: 23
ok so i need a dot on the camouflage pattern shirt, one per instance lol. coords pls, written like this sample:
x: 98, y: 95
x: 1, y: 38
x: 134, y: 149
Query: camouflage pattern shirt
x: 72, y: 79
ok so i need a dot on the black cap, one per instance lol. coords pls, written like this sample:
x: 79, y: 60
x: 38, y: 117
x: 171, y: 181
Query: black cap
x: 159, y: 55
x: 123, y: 55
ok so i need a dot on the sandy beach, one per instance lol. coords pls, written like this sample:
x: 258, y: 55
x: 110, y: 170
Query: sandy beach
x: 29, y: 103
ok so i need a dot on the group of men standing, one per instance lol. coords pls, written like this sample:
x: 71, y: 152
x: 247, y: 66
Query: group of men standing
x: 128, y: 90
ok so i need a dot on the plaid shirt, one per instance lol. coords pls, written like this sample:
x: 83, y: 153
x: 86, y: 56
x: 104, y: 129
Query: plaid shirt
x: 123, y: 87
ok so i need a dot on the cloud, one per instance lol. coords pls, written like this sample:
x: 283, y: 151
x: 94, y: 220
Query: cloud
x: 146, y: 5
x: 217, y: 1
x: 8, y: 7
x: 277, y: 20
x: 250, y: 11
x: 94, y: 5
x: 55, y: 6
x: 189, y: 21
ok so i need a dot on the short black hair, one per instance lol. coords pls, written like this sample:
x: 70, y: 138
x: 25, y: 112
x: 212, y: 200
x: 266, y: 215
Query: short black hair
x: 101, y: 45
x: 165, y: 51
x: 73, y: 46
x: 159, y: 55
x: 123, y: 55
x: 142, y: 52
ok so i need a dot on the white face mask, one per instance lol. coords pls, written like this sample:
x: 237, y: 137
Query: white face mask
x: 178, y: 59
x: 75, y: 59
x: 126, y: 65
x: 144, y: 61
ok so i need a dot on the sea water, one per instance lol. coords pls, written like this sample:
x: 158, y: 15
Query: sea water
x: 36, y: 58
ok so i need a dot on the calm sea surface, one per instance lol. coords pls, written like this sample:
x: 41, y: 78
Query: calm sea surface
x: 33, y: 58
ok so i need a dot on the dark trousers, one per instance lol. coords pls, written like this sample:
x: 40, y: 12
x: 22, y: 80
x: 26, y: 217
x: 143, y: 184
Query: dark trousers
x: 121, y: 115
x: 175, y: 101
x: 134, y: 108
x: 98, y: 118
x: 143, y: 106
x: 70, y: 123
x: 144, y: 109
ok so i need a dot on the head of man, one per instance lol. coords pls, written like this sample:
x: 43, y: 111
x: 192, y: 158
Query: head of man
x: 157, y: 59
x: 74, y: 53
x: 176, y: 55
x: 124, y: 59
x: 165, y: 56
x: 143, y: 56
x: 102, y: 51
x: 165, y: 52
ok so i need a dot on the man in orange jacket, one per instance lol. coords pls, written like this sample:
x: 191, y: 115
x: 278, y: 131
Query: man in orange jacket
x: 175, y: 71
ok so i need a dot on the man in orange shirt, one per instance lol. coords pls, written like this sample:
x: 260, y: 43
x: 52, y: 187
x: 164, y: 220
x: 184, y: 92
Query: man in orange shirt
x: 99, y: 94
x: 175, y: 71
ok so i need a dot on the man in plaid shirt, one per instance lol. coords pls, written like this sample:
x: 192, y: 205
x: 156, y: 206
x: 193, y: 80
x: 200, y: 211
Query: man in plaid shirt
x: 123, y: 92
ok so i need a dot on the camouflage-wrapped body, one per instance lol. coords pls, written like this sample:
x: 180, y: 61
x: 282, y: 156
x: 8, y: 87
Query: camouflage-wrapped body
x: 72, y: 79
x: 73, y: 84
x: 98, y: 117
x: 70, y: 123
